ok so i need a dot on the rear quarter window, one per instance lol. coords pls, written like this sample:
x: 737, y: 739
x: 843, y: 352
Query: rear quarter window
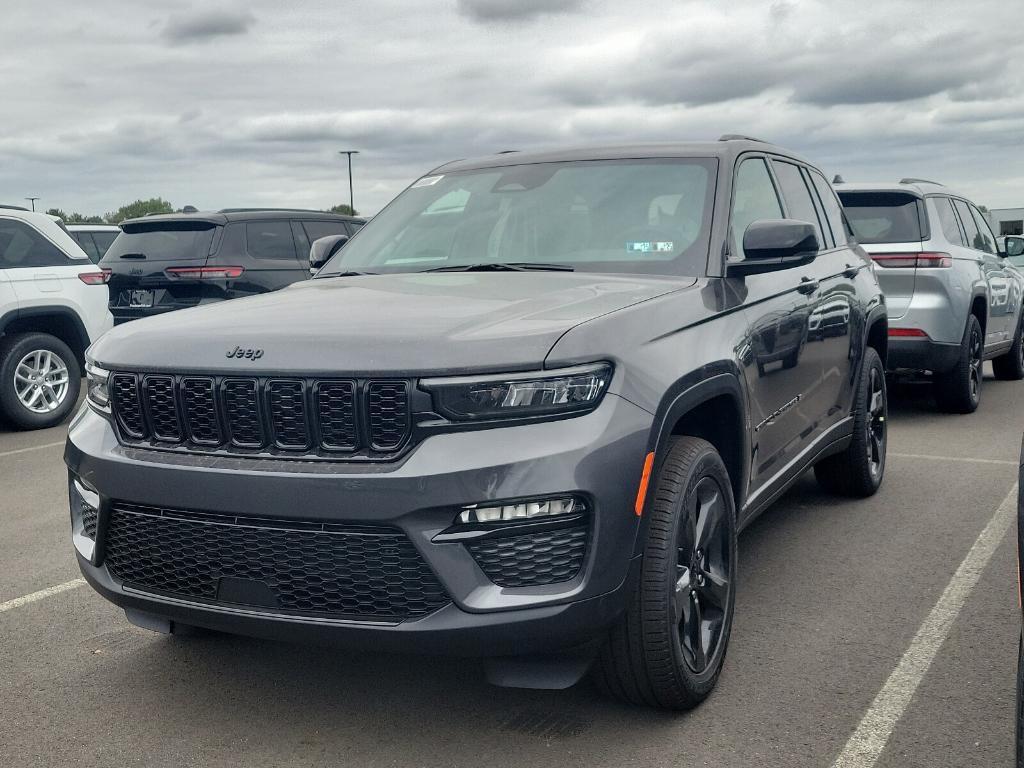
x: 884, y: 217
x: 23, y: 246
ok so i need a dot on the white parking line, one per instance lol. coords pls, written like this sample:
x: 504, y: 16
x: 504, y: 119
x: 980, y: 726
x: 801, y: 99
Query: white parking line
x: 31, y: 448
x: 967, y: 459
x: 17, y: 602
x: 867, y: 742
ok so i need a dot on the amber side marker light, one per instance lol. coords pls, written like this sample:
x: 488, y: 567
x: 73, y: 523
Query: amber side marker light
x: 645, y: 478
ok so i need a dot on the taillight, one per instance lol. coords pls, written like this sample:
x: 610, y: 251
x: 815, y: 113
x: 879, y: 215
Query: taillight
x: 204, y: 273
x: 907, y: 333
x: 95, y: 278
x: 924, y: 260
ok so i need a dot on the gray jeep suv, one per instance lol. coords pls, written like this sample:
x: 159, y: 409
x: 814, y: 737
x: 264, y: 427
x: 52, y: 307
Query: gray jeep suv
x: 521, y: 415
x: 954, y: 299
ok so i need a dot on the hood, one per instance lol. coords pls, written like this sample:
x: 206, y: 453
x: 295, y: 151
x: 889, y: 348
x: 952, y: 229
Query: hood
x: 408, y: 324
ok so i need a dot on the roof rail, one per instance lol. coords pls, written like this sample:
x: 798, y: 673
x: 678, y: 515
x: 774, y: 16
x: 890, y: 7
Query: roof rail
x: 272, y: 208
x: 14, y: 207
x: 506, y: 152
x: 739, y: 137
x: 910, y: 180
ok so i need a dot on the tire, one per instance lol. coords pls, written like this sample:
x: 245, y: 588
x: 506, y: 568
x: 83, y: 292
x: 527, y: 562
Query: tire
x: 647, y: 658
x: 959, y: 390
x: 55, y: 359
x: 1010, y: 367
x: 858, y: 470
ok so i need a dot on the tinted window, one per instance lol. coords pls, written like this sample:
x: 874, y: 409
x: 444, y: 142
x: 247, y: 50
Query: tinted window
x: 947, y: 220
x: 104, y: 240
x: 163, y: 241
x: 974, y: 238
x: 988, y: 240
x: 269, y: 240
x: 797, y: 196
x: 883, y: 217
x: 611, y: 216
x: 355, y: 226
x: 833, y: 211
x: 826, y: 230
x: 1012, y: 227
x: 22, y: 246
x: 318, y: 229
x: 85, y: 240
x: 753, y: 198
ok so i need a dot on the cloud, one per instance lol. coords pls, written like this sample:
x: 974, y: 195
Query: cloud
x: 514, y: 10
x: 200, y: 26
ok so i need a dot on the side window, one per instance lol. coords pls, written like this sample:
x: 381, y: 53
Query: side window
x: 988, y: 240
x: 826, y: 227
x: 318, y: 229
x: 302, y: 241
x: 104, y: 240
x: 355, y: 226
x: 22, y: 246
x: 834, y: 212
x: 85, y: 240
x: 753, y: 198
x: 798, y: 197
x: 974, y: 239
x: 269, y: 240
x: 947, y: 220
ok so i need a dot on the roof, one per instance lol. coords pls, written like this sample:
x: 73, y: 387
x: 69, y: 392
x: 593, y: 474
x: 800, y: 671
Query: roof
x: 917, y: 187
x: 728, y: 146
x: 226, y: 215
x: 93, y: 227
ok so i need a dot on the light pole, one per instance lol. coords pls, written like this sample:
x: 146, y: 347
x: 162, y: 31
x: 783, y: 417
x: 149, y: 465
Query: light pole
x: 33, y: 201
x: 351, y: 199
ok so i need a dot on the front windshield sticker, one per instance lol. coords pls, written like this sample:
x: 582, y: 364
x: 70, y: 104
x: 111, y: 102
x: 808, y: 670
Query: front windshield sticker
x: 427, y: 181
x: 647, y: 246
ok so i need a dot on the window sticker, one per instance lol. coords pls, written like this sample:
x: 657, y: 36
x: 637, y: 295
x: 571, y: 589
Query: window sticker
x: 427, y: 181
x: 648, y: 246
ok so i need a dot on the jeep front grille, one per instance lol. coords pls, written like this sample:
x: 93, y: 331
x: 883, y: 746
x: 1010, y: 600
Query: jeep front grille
x: 299, y: 567
x: 288, y: 417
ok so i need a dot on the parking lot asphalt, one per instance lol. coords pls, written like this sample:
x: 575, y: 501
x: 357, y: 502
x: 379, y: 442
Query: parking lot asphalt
x: 834, y: 596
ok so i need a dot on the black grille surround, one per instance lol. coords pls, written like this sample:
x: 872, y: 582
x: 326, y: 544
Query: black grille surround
x: 530, y: 559
x: 303, y: 568
x: 261, y: 416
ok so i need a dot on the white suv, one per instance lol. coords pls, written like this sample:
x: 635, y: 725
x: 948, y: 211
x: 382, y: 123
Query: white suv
x: 53, y: 304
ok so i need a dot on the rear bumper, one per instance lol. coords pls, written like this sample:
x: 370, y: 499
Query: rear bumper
x: 598, y: 456
x: 921, y: 355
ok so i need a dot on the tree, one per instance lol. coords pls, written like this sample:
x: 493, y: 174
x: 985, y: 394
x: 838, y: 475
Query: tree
x: 983, y: 208
x: 75, y: 218
x: 140, y: 208
x: 344, y: 209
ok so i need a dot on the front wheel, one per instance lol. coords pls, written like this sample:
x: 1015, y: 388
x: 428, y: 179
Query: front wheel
x: 1010, y: 367
x: 858, y: 470
x: 39, y: 380
x: 959, y: 390
x: 668, y: 649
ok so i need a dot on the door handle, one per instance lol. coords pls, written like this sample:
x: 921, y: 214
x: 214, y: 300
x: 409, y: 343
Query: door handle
x: 807, y: 285
x: 851, y: 270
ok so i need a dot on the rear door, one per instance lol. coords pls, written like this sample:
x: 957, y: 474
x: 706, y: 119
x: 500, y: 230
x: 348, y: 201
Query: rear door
x: 982, y: 244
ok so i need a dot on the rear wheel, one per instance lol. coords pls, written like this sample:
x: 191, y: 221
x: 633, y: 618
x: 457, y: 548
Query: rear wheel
x: 858, y: 470
x: 668, y: 650
x: 959, y: 390
x: 1010, y: 367
x: 39, y: 380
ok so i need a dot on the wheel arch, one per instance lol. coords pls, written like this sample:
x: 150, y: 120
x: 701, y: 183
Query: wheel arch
x: 61, y: 322
x: 877, y: 336
x: 979, y: 308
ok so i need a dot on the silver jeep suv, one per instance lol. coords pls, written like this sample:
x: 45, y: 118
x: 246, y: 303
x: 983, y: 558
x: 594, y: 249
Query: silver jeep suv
x: 953, y: 297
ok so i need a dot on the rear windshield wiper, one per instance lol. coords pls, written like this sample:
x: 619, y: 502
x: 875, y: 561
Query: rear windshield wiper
x: 504, y: 266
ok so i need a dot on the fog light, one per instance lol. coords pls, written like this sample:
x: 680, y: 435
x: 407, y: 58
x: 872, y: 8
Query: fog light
x: 525, y: 510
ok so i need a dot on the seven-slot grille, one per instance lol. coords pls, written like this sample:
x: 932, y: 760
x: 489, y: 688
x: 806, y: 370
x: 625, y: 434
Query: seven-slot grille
x: 300, y: 567
x: 244, y: 415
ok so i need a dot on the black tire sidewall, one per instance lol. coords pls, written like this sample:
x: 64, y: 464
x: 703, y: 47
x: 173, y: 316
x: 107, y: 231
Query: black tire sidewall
x: 12, y: 350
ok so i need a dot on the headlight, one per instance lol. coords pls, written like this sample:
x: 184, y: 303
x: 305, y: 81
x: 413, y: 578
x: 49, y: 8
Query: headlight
x: 97, y: 383
x: 508, y: 396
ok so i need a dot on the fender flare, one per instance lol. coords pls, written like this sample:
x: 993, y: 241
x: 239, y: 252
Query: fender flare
x: 65, y: 313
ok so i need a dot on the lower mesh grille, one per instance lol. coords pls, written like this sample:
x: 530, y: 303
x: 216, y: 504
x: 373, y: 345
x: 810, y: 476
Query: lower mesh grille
x: 531, y: 559
x: 304, y: 568
x: 90, y: 516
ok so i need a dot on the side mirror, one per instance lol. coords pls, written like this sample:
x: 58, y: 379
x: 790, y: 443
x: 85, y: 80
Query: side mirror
x: 322, y: 250
x: 1013, y: 246
x: 774, y: 244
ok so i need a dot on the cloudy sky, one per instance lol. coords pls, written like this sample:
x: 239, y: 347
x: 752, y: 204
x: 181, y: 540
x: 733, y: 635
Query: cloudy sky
x: 240, y: 104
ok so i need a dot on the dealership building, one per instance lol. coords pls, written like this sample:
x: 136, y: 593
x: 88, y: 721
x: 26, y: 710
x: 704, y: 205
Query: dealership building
x: 1007, y: 221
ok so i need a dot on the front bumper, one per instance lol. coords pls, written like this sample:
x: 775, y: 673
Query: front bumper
x: 598, y: 456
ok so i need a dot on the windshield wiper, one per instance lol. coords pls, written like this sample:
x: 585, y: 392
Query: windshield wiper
x: 504, y: 266
x: 349, y: 273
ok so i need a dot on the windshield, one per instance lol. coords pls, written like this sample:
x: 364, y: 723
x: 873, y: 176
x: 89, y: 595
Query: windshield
x: 631, y: 216
x: 883, y: 217
x: 163, y: 241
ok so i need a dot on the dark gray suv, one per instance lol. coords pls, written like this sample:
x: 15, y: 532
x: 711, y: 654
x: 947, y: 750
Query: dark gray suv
x: 521, y: 415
